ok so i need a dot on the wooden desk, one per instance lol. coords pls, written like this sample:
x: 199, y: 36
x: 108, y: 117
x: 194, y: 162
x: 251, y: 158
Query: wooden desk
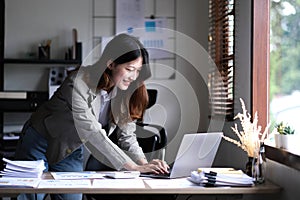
x: 266, y: 188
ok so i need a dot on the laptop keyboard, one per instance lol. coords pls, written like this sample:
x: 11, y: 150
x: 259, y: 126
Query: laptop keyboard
x: 152, y: 175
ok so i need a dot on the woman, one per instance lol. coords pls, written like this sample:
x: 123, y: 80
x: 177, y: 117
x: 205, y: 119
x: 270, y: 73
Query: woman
x: 92, y: 104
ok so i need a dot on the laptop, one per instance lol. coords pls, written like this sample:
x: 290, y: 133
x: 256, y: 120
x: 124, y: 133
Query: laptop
x: 196, y: 150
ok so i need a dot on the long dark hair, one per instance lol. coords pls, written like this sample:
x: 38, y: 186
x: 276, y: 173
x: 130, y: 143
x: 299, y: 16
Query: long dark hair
x: 121, y: 49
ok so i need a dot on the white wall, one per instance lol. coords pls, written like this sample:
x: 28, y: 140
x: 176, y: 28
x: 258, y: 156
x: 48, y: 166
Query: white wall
x: 28, y: 24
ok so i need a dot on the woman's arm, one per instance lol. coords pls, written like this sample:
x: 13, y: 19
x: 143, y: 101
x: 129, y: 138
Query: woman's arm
x: 89, y: 129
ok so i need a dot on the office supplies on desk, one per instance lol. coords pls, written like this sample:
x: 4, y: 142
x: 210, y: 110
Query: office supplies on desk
x: 210, y: 178
x: 196, y: 150
x: 23, y: 169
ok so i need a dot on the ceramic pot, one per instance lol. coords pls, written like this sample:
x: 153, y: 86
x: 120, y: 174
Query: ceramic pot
x: 284, y: 141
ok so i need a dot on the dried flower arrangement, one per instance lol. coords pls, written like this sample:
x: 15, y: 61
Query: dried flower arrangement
x: 250, y: 137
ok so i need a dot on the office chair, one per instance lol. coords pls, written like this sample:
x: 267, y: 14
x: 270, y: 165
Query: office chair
x: 152, y: 138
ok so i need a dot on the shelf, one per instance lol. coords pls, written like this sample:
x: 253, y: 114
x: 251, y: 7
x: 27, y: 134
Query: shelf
x: 40, y: 61
x: 27, y: 101
x: 283, y: 156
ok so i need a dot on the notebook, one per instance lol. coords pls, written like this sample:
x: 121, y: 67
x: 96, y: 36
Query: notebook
x: 196, y: 150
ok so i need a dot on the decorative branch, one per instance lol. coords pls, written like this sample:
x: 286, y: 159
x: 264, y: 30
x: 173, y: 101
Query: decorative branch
x: 250, y: 138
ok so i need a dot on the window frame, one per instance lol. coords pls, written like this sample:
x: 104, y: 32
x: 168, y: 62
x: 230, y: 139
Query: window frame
x: 261, y: 59
x: 260, y: 77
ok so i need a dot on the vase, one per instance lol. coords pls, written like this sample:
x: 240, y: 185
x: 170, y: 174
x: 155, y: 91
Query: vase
x: 256, y: 166
x: 248, y: 170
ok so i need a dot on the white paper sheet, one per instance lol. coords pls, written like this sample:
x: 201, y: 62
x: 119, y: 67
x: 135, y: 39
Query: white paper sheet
x: 129, y: 15
x: 169, y: 183
x: 118, y: 183
x: 19, y: 182
x: 82, y: 183
x: 76, y: 175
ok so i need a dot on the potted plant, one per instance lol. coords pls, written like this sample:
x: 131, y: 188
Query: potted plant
x: 282, y: 135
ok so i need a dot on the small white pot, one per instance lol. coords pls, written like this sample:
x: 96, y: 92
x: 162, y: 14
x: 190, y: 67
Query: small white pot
x: 284, y: 141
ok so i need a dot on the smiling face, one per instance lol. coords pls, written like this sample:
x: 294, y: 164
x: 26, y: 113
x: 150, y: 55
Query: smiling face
x: 124, y: 74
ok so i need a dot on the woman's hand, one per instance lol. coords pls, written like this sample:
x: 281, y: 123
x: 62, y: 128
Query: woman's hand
x: 155, y: 166
x: 162, y: 166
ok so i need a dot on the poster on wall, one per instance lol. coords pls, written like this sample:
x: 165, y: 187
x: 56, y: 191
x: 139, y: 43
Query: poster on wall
x: 130, y: 19
x: 129, y: 15
x: 155, y: 38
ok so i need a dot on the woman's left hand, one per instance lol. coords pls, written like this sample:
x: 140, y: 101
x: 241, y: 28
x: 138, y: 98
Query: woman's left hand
x: 161, y: 165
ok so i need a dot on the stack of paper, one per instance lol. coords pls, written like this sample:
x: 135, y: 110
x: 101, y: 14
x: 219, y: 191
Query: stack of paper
x: 23, y: 169
x: 211, y: 178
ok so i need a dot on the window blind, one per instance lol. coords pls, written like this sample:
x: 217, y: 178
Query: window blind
x: 221, y: 50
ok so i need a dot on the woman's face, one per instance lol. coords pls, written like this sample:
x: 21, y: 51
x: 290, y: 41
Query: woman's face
x: 124, y: 74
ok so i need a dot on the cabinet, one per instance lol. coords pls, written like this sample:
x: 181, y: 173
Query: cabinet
x: 22, y: 101
x: 27, y: 100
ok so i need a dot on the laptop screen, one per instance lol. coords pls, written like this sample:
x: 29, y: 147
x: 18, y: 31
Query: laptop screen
x: 196, y: 150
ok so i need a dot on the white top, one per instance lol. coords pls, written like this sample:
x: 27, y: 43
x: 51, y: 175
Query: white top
x: 105, y: 106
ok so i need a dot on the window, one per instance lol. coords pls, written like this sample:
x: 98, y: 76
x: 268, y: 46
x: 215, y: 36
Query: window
x: 285, y: 68
x: 221, y: 49
x: 285, y: 62
x: 260, y: 76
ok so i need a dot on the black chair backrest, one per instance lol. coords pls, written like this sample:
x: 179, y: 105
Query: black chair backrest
x: 151, y: 138
x: 152, y: 94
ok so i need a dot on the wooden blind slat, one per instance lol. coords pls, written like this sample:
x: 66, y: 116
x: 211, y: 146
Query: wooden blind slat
x: 221, y: 49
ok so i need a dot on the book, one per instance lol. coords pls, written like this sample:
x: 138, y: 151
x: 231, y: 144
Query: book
x: 23, y: 169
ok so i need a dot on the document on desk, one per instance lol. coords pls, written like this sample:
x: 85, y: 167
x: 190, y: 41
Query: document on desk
x: 19, y: 182
x: 170, y: 183
x: 76, y: 175
x: 79, y: 183
x: 209, y: 177
x: 122, y: 174
x: 118, y: 183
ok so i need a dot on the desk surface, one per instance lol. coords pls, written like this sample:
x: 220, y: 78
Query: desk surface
x: 265, y: 188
